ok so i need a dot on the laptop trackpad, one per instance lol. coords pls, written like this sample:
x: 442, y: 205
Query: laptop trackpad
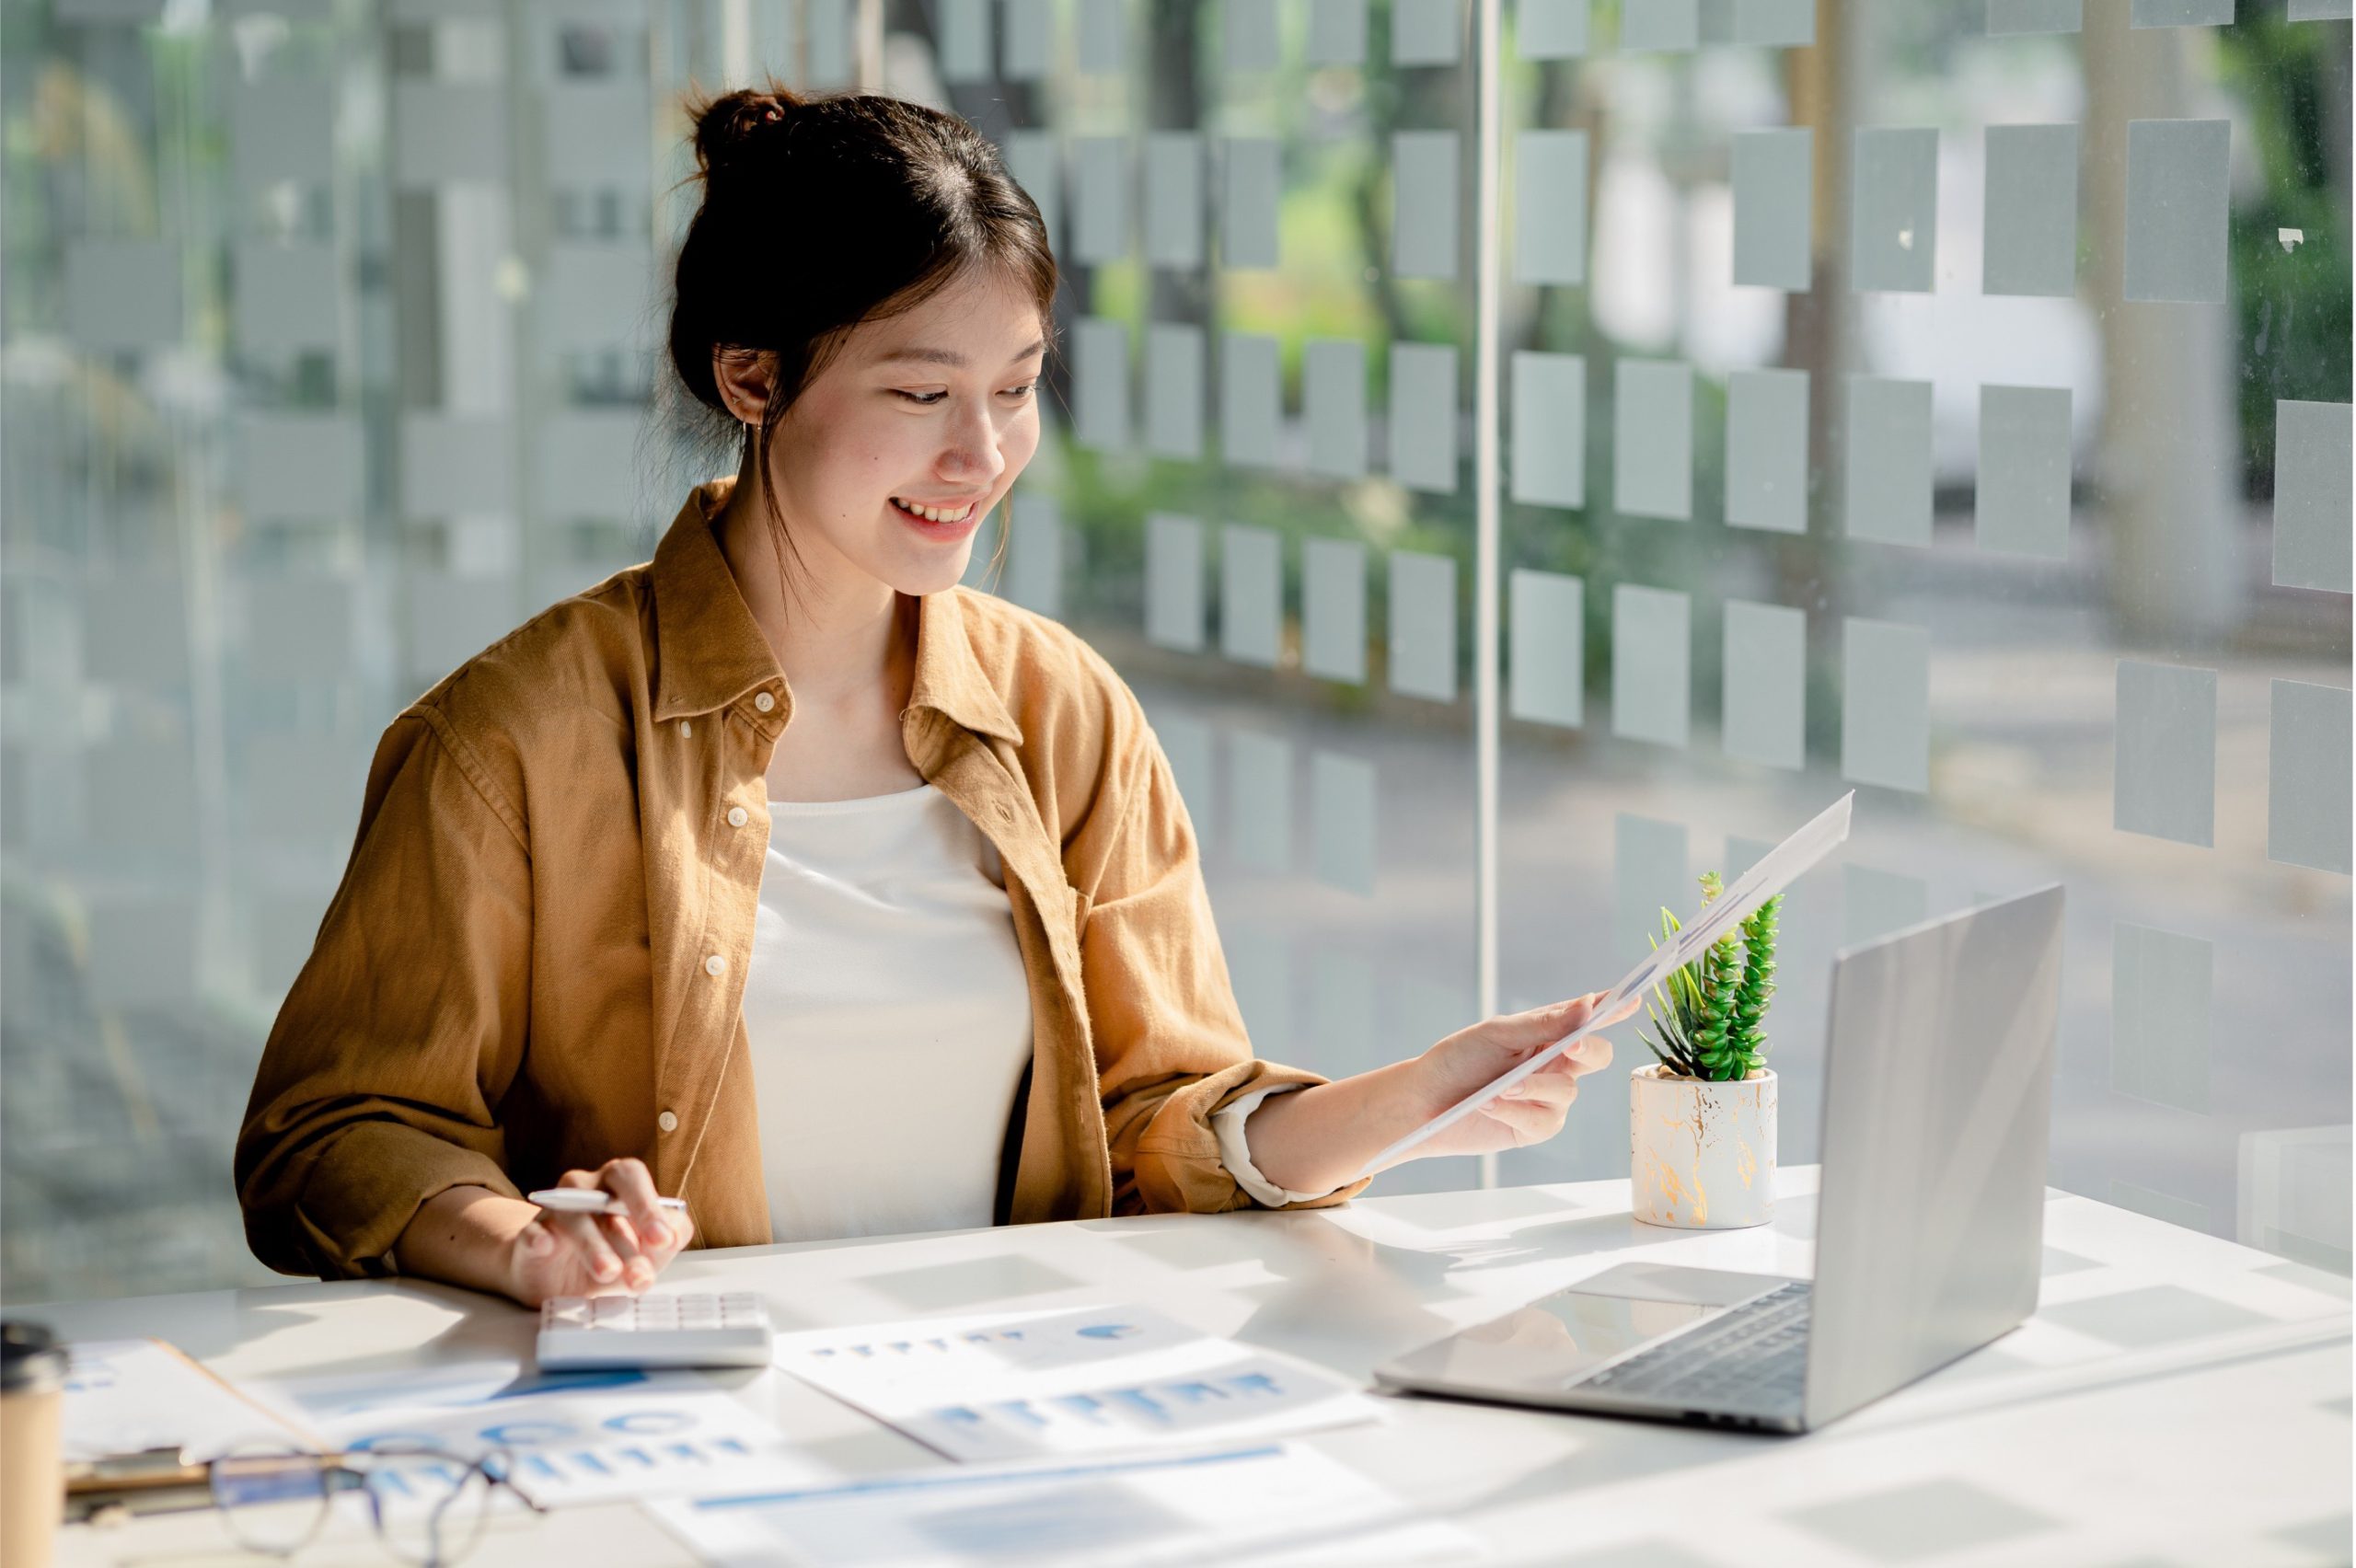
x: 1545, y: 1344
x: 1562, y: 1337
x: 1669, y: 1282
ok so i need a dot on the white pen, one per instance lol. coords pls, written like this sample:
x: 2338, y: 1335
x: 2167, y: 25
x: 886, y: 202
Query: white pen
x: 589, y: 1200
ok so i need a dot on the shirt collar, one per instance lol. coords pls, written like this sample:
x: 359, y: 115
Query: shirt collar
x: 710, y: 651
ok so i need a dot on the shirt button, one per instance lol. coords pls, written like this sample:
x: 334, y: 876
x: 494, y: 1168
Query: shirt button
x: 715, y: 964
x: 764, y: 701
x: 667, y: 1122
x: 686, y: 727
x: 736, y: 816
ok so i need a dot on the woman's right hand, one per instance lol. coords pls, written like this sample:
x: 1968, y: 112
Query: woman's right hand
x: 597, y: 1255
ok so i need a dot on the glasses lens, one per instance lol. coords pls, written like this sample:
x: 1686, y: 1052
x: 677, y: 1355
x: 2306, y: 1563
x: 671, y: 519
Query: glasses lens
x: 429, y: 1506
x: 271, y: 1498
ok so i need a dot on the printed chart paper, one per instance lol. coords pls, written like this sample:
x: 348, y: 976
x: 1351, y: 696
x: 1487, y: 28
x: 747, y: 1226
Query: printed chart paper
x: 1279, y: 1505
x: 572, y: 1437
x: 1089, y: 1382
x: 1775, y: 872
x: 127, y: 1395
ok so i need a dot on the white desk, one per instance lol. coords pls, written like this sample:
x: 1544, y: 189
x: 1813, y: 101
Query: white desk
x: 2176, y: 1399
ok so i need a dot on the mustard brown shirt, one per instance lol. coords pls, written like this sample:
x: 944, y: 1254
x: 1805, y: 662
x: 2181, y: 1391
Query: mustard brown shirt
x: 534, y: 959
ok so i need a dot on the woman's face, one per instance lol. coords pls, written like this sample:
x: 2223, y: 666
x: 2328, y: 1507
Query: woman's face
x: 890, y: 460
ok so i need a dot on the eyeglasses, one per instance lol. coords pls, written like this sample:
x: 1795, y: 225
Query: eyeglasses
x: 428, y: 1505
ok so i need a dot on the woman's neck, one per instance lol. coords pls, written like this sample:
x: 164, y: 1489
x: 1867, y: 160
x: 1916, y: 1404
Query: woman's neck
x: 841, y: 635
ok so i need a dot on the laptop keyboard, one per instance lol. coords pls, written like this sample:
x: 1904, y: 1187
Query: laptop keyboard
x: 1753, y: 1357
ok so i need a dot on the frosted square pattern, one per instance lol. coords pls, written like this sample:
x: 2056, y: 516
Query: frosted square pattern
x: 1548, y: 615
x: 2029, y: 225
x: 1333, y: 609
x: 2164, y: 782
x: 1253, y: 174
x: 1894, y: 212
x: 2176, y: 209
x: 1884, y: 704
x: 2160, y: 998
x: 1249, y: 399
x: 1767, y: 449
x: 1342, y: 821
x: 1765, y: 683
x: 2313, y: 504
x: 2308, y: 777
x: 1652, y: 439
x: 1423, y: 416
x: 1174, y: 581
x: 1422, y: 625
x: 1549, y: 412
x: 1173, y: 200
x: 1550, y: 207
x: 1887, y: 494
x: 1426, y: 224
x: 1334, y: 388
x: 1173, y: 391
x: 1252, y: 577
x: 2023, y: 506
x: 1773, y: 177
x: 1652, y: 660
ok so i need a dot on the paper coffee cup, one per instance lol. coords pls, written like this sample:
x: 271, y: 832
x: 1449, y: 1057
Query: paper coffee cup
x: 32, y: 1473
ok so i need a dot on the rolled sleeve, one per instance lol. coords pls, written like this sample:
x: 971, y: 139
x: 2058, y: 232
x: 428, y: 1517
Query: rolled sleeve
x: 1170, y: 1046
x: 378, y: 1085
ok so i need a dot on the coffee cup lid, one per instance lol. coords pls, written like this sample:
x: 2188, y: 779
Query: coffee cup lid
x: 31, y: 1361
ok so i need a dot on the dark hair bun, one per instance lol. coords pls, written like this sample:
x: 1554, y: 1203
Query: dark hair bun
x: 913, y: 197
x: 733, y: 123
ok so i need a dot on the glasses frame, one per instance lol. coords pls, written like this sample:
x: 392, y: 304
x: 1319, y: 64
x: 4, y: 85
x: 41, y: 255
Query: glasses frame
x: 352, y: 1470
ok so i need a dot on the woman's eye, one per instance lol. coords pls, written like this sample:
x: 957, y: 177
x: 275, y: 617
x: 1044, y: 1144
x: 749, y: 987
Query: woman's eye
x: 1019, y: 393
x: 922, y: 400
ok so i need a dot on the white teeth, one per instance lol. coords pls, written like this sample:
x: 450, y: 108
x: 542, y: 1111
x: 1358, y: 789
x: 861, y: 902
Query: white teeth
x: 930, y: 513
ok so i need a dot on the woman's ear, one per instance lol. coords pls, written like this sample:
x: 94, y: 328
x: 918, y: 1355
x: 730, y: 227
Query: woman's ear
x: 744, y: 378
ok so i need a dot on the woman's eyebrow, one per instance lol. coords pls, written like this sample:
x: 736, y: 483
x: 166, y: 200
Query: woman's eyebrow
x: 951, y: 356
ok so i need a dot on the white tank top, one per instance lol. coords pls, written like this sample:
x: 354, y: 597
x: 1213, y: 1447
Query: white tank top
x: 889, y: 1015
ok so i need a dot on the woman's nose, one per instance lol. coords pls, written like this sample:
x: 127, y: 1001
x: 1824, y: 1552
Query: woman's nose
x: 973, y: 449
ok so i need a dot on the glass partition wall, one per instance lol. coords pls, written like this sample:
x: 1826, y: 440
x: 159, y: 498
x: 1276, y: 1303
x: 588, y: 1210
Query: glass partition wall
x: 1948, y: 401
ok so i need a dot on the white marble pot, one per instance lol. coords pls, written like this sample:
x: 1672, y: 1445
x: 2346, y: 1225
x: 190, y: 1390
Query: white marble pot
x: 1701, y: 1154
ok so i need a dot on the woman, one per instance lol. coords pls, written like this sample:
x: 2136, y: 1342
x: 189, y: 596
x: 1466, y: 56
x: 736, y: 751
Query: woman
x: 781, y: 873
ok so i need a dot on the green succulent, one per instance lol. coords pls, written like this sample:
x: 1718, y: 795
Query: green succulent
x: 1708, y: 1016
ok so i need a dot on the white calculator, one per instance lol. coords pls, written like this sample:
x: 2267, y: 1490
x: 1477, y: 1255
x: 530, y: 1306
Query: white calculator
x: 684, y: 1329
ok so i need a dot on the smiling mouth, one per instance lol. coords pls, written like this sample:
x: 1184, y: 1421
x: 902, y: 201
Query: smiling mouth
x: 935, y: 513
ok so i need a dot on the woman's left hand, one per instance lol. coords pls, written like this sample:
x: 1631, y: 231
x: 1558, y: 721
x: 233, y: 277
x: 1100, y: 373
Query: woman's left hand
x: 1530, y: 1112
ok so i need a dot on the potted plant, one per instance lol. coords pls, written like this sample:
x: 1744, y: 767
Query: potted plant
x: 1702, y: 1117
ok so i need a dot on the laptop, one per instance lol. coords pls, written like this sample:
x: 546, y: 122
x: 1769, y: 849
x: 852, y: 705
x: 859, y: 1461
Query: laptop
x: 1930, y: 1213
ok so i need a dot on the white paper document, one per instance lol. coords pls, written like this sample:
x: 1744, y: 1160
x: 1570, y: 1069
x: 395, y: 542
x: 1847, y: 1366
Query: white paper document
x: 1095, y: 1381
x: 1776, y: 871
x: 1278, y: 1504
x: 128, y: 1396
x: 570, y: 1437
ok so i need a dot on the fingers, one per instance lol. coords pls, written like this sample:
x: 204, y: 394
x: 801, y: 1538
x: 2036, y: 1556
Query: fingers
x: 1524, y: 1032
x: 1586, y: 1054
x: 585, y: 1234
x: 1554, y: 1084
x: 630, y: 1180
x: 1629, y: 1008
x: 612, y: 1249
x: 1528, y: 1119
x: 1541, y: 1027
